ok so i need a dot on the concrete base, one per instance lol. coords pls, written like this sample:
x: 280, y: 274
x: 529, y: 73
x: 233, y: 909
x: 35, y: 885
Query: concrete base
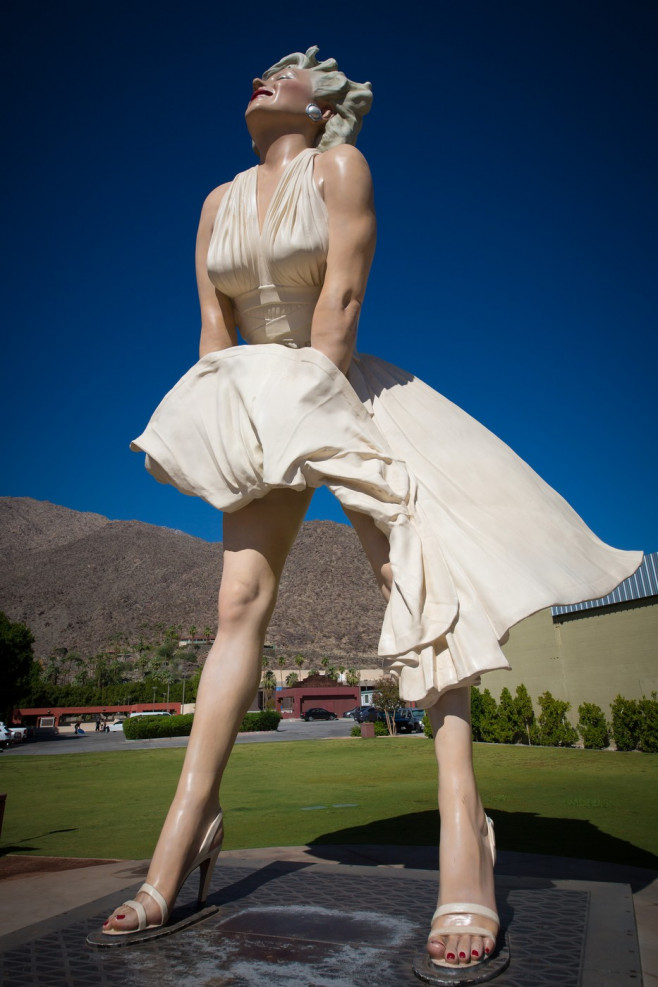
x: 300, y: 924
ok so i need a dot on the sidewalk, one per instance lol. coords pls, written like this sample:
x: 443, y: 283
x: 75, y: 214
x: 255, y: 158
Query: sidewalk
x: 279, y: 908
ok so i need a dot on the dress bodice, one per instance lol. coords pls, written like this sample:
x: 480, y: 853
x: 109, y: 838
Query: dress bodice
x: 274, y: 275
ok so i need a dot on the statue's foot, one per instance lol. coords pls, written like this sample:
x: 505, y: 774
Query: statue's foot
x: 464, y: 932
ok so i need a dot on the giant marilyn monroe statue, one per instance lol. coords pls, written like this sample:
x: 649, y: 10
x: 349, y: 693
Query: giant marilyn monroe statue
x: 463, y: 537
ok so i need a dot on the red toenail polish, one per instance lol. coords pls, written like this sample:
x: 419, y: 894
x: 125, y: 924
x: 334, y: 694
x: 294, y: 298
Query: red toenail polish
x: 106, y: 923
x: 487, y: 951
x: 474, y: 953
x: 120, y: 917
x: 450, y: 956
x: 462, y: 956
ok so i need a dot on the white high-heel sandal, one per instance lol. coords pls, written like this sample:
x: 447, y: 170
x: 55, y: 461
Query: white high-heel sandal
x: 440, y: 972
x: 205, y: 860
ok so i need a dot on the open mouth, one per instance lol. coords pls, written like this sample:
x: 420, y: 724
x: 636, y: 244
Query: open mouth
x: 261, y: 92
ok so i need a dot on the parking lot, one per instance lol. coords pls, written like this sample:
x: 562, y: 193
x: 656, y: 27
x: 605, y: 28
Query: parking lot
x: 66, y: 742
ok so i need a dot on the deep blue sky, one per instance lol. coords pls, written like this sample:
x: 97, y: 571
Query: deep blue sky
x: 513, y: 147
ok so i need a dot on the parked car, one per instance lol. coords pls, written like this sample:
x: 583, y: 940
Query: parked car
x: 151, y: 712
x: 404, y: 720
x: 318, y: 713
x: 418, y: 715
x: 349, y: 715
x: 6, y: 737
x: 20, y: 734
x: 115, y: 727
x: 369, y: 714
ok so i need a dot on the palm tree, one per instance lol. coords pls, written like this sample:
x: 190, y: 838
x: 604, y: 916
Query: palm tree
x: 352, y: 677
x: 282, y: 662
x: 299, y: 661
x: 332, y: 673
x: 269, y: 685
x: 292, y: 679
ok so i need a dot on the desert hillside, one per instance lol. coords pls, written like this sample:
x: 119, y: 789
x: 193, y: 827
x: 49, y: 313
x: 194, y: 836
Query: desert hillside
x: 86, y: 583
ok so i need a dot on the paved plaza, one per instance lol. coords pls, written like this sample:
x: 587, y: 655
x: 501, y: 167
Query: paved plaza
x: 326, y: 917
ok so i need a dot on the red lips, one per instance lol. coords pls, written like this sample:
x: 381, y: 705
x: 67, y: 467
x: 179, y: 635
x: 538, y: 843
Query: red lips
x: 260, y: 92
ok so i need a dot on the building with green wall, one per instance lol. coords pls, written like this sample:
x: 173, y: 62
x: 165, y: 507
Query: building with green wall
x: 589, y: 652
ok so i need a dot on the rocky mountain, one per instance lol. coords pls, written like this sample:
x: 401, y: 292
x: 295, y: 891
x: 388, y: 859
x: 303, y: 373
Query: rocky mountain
x: 86, y: 583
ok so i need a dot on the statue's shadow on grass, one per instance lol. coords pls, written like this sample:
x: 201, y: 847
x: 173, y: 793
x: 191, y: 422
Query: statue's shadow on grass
x: 516, y: 833
x: 24, y: 846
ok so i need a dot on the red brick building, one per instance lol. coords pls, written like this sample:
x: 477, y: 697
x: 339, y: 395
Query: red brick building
x: 317, y: 690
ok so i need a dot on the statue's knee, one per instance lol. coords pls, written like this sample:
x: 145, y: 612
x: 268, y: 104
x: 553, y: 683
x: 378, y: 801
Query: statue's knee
x: 244, y: 600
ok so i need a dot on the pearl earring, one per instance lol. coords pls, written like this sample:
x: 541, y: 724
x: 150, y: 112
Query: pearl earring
x: 313, y: 112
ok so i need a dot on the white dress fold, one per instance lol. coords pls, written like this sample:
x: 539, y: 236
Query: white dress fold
x: 477, y: 539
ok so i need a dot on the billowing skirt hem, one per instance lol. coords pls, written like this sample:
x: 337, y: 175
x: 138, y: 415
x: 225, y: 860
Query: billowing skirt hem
x: 477, y: 540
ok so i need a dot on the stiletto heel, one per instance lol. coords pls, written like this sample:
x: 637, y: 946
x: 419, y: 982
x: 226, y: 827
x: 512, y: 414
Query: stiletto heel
x: 205, y: 860
x: 206, y: 868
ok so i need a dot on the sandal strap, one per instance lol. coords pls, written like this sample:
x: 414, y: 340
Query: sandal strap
x: 451, y: 930
x: 159, y: 900
x: 139, y: 910
x: 468, y: 908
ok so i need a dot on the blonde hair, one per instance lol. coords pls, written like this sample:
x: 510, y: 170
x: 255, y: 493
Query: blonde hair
x: 350, y: 101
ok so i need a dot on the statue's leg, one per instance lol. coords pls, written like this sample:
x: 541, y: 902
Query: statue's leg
x: 257, y: 540
x: 465, y: 855
x: 466, y: 864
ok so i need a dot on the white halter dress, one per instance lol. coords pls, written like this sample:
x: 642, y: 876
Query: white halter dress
x: 477, y: 539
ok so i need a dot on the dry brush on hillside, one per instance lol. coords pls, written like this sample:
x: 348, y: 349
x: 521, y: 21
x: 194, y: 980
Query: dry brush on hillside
x: 83, y: 582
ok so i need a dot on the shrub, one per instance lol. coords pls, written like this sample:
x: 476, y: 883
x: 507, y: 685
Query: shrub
x: 380, y: 730
x: 592, y: 727
x: 476, y: 713
x: 525, y: 712
x: 268, y: 719
x: 510, y: 724
x: 148, y: 727
x: 625, y: 723
x: 553, y: 728
x: 427, y: 727
x: 648, y: 709
x: 489, y: 718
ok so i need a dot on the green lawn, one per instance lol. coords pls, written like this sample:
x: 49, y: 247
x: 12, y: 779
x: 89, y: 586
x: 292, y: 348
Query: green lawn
x: 590, y: 804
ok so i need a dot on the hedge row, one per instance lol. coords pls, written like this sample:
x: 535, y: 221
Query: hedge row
x: 149, y: 727
x: 266, y: 720
x: 512, y: 720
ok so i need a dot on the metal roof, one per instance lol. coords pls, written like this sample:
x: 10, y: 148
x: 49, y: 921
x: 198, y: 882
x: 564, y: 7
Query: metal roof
x: 639, y: 586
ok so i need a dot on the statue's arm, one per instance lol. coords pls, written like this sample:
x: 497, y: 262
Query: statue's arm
x: 344, y: 181
x: 218, y: 330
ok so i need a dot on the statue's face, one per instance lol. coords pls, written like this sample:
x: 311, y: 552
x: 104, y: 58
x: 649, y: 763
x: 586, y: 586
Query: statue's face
x: 288, y: 90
